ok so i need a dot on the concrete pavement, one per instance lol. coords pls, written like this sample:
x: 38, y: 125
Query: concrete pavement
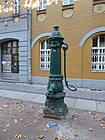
x: 90, y: 105
x: 21, y: 114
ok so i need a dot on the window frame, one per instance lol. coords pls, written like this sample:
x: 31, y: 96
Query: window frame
x: 68, y: 2
x: 46, y: 56
x: 98, y: 55
x: 16, y: 6
x: 42, y: 5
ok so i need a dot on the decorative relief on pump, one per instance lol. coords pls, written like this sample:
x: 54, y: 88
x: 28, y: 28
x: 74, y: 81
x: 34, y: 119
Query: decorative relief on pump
x: 55, y: 86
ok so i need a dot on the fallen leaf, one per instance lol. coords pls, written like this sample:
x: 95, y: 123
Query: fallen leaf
x: 35, y: 121
x: 41, y: 136
x: 8, y: 125
x: 56, y: 138
x: 33, y: 107
x: 65, y: 132
x: 102, y: 126
x: 90, y: 129
x: 15, y: 120
x: 45, y: 130
x: 19, y: 136
x: 74, y: 117
x: 93, y: 113
x: 26, y: 125
x: 13, y: 117
x: 103, y: 118
x: 4, y: 130
x: 98, y: 119
x: 5, y: 106
x: 73, y: 126
x: 21, y: 120
x: 76, y: 134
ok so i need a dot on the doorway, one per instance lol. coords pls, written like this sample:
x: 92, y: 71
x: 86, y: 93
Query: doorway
x: 10, y: 58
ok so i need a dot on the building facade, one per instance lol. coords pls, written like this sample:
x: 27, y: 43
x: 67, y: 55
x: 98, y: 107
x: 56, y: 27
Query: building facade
x: 15, y: 41
x: 82, y: 24
x: 25, y: 53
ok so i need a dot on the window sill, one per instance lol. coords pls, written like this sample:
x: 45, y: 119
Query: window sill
x: 41, y: 12
x: 97, y: 70
x: 98, y: 2
x: 71, y: 6
x: 16, y: 15
x: 44, y: 69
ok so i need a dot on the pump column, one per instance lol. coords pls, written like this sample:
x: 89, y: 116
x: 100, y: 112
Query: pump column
x: 54, y: 105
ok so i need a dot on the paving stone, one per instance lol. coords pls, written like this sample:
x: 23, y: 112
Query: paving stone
x: 39, y: 99
x: 85, y: 104
x: 70, y: 102
x: 14, y: 94
x: 101, y: 106
x: 28, y: 97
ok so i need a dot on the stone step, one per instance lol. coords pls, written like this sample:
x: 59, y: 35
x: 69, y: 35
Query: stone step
x: 9, y: 79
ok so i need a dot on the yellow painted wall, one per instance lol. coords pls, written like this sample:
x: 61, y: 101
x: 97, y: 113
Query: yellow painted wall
x: 73, y: 62
x: 73, y: 29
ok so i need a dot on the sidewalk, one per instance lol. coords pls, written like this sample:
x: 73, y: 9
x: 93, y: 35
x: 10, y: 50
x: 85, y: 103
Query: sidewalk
x: 84, y: 104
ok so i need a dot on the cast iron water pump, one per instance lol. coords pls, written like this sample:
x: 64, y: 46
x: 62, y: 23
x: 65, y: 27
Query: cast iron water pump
x: 54, y: 105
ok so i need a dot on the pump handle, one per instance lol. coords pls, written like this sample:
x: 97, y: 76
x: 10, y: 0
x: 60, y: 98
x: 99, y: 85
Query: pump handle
x: 70, y: 87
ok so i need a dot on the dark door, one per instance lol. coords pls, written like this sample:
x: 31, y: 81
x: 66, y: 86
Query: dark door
x: 10, y: 57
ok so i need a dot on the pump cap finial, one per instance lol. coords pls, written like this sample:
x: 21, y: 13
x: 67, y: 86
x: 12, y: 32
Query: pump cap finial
x: 56, y: 27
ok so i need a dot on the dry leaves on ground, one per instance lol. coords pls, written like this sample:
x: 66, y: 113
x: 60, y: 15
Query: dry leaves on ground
x: 99, y: 118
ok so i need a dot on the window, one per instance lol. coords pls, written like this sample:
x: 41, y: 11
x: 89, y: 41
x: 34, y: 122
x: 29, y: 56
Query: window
x: 98, y: 53
x: 16, y: 6
x: 6, y: 3
x: 44, y: 55
x: 68, y: 2
x: 42, y: 5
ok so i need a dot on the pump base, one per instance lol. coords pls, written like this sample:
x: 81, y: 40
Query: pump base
x: 55, y: 106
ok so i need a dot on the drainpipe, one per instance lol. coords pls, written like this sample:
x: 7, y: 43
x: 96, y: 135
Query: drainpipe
x: 29, y: 37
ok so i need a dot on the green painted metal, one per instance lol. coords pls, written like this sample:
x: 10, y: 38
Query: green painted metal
x: 54, y: 105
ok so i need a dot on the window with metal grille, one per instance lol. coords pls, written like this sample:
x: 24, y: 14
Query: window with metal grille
x: 68, y: 2
x: 16, y: 6
x: 44, y: 55
x: 42, y: 5
x: 98, y: 53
